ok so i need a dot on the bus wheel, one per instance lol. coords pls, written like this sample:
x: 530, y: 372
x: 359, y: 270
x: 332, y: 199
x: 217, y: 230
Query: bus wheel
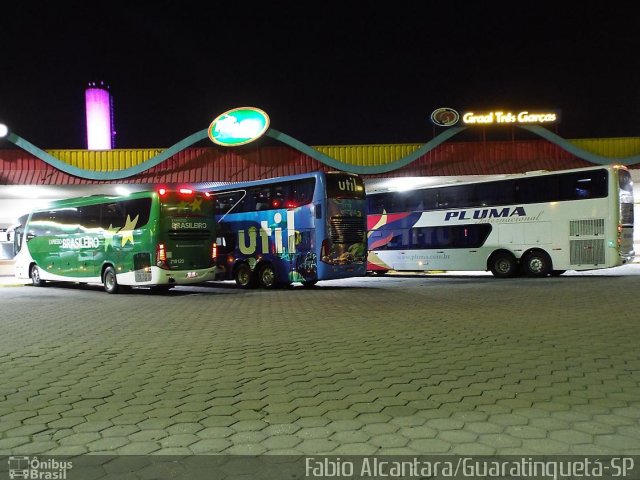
x: 309, y: 283
x: 244, y: 276
x: 35, y: 277
x: 267, y: 276
x: 110, y: 281
x: 503, y: 265
x: 536, y: 264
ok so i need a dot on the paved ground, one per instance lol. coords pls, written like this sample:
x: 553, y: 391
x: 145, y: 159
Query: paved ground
x: 415, y: 365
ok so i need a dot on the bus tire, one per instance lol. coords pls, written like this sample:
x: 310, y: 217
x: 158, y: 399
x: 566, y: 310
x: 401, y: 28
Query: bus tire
x: 536, y: 263
x: 267, y: 276
x: 34, y: 273
x: 503, y: 265
x: 244, y: 276
x: 109, y: 280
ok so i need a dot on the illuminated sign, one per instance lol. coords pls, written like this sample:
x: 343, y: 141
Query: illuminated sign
x: 445, y: 117
x: 500, y: 117
x: 238, y: 126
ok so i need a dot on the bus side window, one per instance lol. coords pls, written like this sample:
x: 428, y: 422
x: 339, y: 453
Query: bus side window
x: 111, y: 216
x: 138, y: 209
x: 428, y: 199
x: 581, y: 192
x: 583, y: 185
x: 261, y: 197
x: 58, y: 222
x: 225, y: 202
x: 36, y: 225
x: 397, y: 203
x: 375, y: 204
x: 302, y: 191
x: 90, y: 217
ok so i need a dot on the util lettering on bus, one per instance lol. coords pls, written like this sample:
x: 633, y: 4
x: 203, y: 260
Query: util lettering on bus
x: 248, y: 240
x: 347, y: 185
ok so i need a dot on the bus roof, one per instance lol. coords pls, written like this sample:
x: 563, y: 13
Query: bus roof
x: 95, y: 199
x: 218, y: 186
x: 398, y: 184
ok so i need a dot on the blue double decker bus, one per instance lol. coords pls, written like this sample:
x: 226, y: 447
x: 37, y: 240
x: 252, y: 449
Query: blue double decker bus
x: 301, y: 228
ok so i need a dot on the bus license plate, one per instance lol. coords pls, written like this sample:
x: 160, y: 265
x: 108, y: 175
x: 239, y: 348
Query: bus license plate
x: 192, y: 274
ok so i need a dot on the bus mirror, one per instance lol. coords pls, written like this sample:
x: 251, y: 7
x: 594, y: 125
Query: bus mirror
x: 30, y: 236
x: 318, y: 211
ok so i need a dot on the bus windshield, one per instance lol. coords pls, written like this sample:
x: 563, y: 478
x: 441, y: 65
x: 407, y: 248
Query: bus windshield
x: 346, y: 223
x: 187, y: 228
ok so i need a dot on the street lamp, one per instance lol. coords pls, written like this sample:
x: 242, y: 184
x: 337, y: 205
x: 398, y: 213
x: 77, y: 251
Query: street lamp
x: 4, y: 130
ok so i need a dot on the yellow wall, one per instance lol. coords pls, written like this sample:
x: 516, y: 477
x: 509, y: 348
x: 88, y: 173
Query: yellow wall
x: 610, y: 147
x: 104, y: 160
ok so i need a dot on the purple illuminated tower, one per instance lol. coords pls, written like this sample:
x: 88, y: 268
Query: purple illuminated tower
x: 99, y: 105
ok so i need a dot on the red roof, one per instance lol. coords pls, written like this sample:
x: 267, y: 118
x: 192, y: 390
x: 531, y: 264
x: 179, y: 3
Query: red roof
x: 212, y: 164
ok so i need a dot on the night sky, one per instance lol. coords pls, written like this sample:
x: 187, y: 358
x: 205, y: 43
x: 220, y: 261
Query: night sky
x: 347, y: 72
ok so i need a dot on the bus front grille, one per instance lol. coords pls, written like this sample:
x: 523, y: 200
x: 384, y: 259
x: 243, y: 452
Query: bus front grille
x: 195, y: 234
x: 347, y: 229
x: 586, y: 252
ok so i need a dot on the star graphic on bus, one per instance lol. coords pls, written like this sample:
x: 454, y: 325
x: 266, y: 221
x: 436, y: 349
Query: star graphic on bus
x: 196, y: 204
x: 109, y: 233
x: 127, y: 230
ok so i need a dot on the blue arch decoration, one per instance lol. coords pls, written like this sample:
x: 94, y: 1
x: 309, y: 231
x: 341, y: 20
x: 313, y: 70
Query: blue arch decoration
x: 113, y: 174
x: 307, y: 150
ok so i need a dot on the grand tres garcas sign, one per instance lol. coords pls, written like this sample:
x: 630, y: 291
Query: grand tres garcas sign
x: 238, y: 126
x: 446, y: 117
x: 509, y: 118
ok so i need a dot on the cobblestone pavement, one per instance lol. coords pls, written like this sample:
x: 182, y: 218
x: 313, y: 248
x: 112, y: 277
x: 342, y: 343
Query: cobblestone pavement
x: 394, y: 365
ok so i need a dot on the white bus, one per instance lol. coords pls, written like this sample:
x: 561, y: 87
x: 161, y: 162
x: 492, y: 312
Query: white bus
x: 536, y: 224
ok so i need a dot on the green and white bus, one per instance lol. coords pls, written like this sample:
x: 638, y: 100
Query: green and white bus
x: 155, y: 239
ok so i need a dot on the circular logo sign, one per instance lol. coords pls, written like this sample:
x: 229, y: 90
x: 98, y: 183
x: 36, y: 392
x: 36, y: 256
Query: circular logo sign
x: 238, y: 126
x: 445, y: 117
